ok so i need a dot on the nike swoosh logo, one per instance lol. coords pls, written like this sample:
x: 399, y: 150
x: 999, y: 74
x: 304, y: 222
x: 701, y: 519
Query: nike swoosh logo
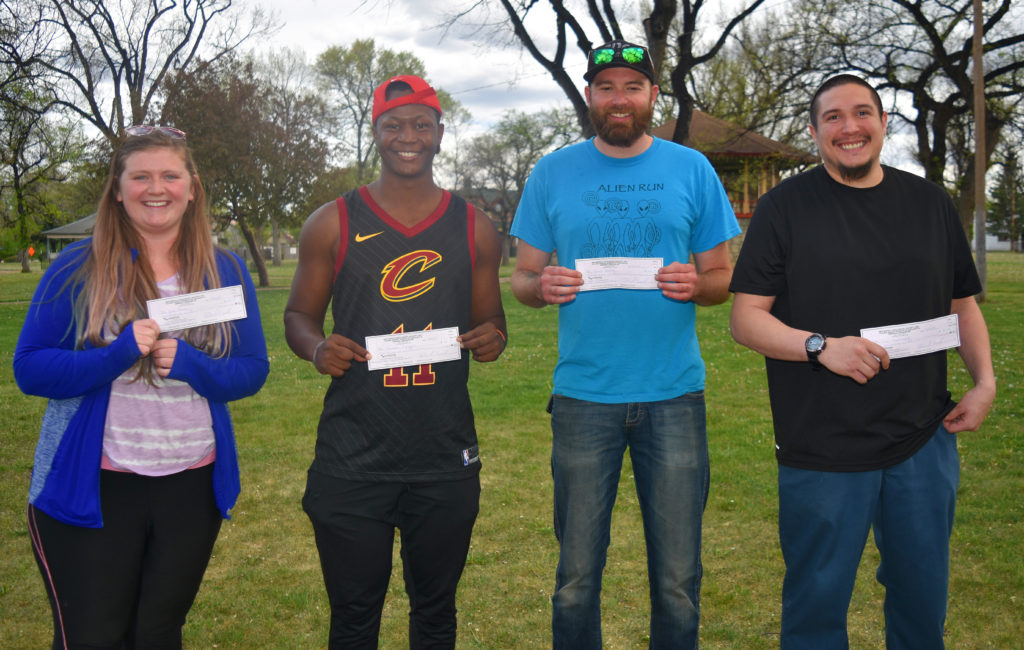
x: 362, y: 238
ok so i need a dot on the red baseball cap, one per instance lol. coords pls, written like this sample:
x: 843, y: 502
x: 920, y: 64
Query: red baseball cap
x: 422, y: 93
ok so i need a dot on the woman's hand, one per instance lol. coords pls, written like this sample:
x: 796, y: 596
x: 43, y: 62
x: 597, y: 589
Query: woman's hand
x: 146, y: 332
x: 163, y: 355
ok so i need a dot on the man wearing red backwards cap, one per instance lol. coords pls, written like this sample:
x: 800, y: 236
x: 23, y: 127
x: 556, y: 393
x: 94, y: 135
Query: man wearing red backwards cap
x: 396, y: 447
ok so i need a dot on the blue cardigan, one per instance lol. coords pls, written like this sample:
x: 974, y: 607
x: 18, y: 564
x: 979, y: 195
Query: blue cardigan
x: 66, y: 473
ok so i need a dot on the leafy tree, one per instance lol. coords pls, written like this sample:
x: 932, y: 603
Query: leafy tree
x: 33, y: 151
x: 77, y: 192
x: 296, y: 152
x: 501, y: 160
x: 349, y: 75
x: 259, y: 145
x: 331, y: 183
x: 105, y: 60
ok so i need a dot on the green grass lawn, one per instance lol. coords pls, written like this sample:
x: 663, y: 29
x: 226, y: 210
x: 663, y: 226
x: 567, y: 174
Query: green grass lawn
x: 264, y: 590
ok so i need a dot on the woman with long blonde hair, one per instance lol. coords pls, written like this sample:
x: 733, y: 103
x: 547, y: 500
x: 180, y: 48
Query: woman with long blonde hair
x: 136, y: 463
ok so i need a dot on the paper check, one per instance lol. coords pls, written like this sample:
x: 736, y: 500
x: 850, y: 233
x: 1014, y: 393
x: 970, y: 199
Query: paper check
x: 912, y: 339
x: 619, y: 272
x: 199, y: 308
x: 413, y: 348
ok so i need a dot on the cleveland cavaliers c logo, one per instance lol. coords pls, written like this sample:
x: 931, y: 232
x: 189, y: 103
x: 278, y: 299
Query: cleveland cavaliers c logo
x: 391, y: 287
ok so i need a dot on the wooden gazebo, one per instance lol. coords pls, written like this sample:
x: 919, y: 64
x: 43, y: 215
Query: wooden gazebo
x: 748, y: 163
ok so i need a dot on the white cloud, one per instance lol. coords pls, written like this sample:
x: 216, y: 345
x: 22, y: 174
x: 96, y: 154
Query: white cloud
x: 487, y: 76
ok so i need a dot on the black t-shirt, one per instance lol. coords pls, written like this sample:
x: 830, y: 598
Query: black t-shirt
x: 403, y: 424
x: 839, y: 259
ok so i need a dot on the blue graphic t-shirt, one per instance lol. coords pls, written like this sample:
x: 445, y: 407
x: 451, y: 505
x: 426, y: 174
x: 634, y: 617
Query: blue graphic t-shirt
x: 620, y: 345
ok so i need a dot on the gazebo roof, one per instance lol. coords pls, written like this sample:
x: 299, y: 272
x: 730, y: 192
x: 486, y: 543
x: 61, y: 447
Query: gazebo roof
x: 716, y: 137
x: 75, y: 230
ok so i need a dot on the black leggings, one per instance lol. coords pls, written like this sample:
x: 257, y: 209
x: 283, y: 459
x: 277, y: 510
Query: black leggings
x: 130, y: 583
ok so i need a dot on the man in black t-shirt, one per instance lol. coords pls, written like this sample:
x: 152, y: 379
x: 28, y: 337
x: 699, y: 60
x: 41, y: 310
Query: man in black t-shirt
x: 396, y: 446
x: 863, y: 433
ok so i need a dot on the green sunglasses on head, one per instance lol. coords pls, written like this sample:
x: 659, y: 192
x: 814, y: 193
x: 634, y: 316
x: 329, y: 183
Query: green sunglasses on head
x: 606, y: 55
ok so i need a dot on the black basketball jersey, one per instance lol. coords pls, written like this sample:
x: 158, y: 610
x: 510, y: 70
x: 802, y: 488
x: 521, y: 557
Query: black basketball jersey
x: 402, y: 424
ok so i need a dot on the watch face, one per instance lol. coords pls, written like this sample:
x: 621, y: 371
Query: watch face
x: 814, y: 342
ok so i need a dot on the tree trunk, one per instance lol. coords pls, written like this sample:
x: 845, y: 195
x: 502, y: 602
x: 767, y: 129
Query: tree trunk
x: 965, y: 197
x: 254, y: 250
x: 683, y: 98
x: 657, y: 26
x: 506, y: 249
x: 682, y: 130
x: 275, y: 238
x: 22, y: 216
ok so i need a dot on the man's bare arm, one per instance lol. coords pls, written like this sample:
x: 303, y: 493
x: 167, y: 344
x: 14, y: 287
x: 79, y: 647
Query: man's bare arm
x: 705, y: 282
x: 311, y: 294
x: 536, y: 284
x: 488, y: 335
x: 976, y: 351
x: 753, y: 325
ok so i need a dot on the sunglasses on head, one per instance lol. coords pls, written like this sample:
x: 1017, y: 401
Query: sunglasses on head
x: 606, y: 55
x: 146, y: 129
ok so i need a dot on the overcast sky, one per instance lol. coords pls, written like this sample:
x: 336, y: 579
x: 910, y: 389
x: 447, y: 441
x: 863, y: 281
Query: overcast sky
x: 485, y: 73
x: 486, y: 79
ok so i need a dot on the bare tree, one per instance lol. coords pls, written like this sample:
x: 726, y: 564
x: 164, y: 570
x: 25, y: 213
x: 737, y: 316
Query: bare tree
x: 21, y: 43
x: 685, y: 55
x: 763, y: 79
x: 502, y: 159
x: 921, y: 50
x: 105, y: 60
x: 671, y: 35
x: 452, y: 166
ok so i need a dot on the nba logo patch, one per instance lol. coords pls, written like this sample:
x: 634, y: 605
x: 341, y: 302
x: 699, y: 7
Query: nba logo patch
x: 471, y: 455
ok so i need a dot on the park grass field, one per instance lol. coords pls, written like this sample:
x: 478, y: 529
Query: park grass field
x: 263, y: 587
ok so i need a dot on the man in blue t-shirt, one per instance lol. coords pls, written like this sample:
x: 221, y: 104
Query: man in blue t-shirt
x: 624, y: 212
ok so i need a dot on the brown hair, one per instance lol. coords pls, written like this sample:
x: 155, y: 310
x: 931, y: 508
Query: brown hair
x: 842, y: 80
x: 117, y: 278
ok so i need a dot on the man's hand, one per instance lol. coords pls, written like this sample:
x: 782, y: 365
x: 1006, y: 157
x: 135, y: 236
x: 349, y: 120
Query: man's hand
x: 854, y: 357
x: 334, y: 355
x: 485, y: 341
x: 677, y: 281
x: 971, y: 411
x: 559, y: 285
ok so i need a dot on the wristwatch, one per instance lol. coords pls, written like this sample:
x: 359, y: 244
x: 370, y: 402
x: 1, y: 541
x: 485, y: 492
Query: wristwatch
x: 814, y: 344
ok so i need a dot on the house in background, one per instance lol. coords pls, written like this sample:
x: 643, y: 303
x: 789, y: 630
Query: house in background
x: 748, y: 163
x: 59, y: 237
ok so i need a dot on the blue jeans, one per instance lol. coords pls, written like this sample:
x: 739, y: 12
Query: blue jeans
x: 667, y: 443
x: 824, y: 519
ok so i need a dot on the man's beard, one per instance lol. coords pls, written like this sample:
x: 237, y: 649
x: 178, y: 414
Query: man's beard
x: 856, y: 173
x: 621, y: 134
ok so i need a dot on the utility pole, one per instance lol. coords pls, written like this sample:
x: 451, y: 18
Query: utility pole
x: 979, y: 153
